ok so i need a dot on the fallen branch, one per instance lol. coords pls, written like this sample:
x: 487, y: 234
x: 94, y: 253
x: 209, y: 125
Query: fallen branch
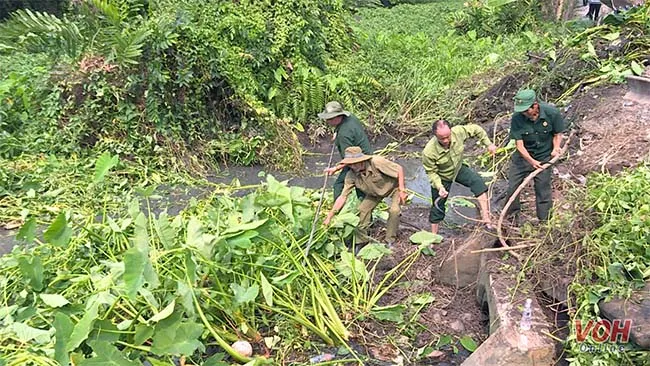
x: 502, y: 249
x: 521, y: 187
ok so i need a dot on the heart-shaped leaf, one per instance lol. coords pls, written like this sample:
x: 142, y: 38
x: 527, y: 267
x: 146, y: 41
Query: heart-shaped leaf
x: 425, y: 237
x: 104, y: 163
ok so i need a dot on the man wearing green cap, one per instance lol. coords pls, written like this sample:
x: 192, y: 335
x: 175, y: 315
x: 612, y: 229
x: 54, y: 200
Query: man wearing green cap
x: 378, y: 178
x: 349, y: 132
x: 537, y: 130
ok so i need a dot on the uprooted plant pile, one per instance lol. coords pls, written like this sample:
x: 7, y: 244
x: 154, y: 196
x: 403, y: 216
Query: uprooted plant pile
x: 137, y: 286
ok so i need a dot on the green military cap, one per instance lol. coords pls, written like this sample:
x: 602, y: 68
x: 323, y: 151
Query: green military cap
x: 524, y: 100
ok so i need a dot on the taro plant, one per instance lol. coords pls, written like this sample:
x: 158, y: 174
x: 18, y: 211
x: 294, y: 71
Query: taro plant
x: 139, y: 285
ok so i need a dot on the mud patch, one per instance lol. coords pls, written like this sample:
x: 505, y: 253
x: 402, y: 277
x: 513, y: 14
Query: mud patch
x: 454, y: 312
x: 612, y: 133
x: 497, y: 100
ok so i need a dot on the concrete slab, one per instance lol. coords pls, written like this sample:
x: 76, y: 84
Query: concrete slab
x: 507, y: 345
x: 639, y: 89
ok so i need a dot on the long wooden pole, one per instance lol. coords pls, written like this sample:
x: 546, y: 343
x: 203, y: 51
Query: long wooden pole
x: 320, y: 204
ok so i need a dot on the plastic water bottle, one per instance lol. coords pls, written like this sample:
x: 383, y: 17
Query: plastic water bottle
x: 527, y: 316
x: 321, y: 358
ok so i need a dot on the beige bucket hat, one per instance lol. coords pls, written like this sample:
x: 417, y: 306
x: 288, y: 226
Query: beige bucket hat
x: 354, y: 154
x: 333, y: 109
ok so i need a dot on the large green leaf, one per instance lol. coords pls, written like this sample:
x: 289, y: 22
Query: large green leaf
x: 349, y: 266
x: 197, y: 239
x: 236, y: 230
x: 27, y: 232
x: 184, y: 292
x: 243, y: 294
x: 140, y: 233
x: 54, y: 300
x: 83, y: 327
x: 174, y: 337
x: 267, y: 290
x: 425, y: 237
x: 24, y: 333
x: 468, y: 343
x: 243, y: 240
x: 164, y: 313
x: 637, y: 69
x: 166, y: 232
x: 281, y: 190
x: 104, y: 163
x: 32, y: 270
x: 59, y: 232
x: 63, y: 326
x: 393, y: 313
x: 373, y: 251
x: 106, y: 355
x: 134, y: 266
x: 142, y: 333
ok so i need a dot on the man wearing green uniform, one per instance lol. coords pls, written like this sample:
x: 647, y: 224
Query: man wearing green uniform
x: 349, y: 132
x: 442, y: 159
x: 378, y: 178
x: 537, y: 130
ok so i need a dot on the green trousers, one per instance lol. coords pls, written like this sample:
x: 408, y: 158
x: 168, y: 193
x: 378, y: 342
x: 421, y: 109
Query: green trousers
x: 519, y: 170
x: 365, y: 216
x: 340, y: 182
x: 466, y: 177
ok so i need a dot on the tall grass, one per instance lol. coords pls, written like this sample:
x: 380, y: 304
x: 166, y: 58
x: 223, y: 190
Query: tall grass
x: 410, y: 56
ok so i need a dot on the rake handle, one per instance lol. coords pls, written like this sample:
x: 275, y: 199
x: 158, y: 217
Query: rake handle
x: 320, y: 204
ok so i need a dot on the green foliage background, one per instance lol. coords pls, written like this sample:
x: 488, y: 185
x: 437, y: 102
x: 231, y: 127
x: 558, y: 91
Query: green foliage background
x: 162, y: 78
x: 194, y: 81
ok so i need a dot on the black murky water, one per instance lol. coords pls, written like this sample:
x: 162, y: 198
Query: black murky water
x: 174, y: 199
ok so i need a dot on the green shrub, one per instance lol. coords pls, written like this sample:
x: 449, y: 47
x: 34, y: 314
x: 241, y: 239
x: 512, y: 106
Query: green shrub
x: 143, y: 78
x: 496, y: 17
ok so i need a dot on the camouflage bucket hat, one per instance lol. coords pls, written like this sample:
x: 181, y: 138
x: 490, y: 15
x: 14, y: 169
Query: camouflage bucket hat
x: 333, y: 109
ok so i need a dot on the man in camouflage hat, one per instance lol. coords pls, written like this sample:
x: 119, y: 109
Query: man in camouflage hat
x: 537, y: 130
x: 349, y: 132
x: 377, y: 178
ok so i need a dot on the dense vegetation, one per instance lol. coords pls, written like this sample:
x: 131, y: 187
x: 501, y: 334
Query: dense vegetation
x: 616, y: 257
x: 194, y: 82
x: 100, y: 104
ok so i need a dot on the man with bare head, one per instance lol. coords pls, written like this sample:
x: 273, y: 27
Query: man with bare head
x: 442, y: 159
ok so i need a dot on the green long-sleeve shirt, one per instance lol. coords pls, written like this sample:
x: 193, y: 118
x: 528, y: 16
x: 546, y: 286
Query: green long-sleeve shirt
x: 442, y: 164
x: 350, y: 133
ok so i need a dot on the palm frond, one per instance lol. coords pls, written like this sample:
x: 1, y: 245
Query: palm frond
x: 43, y: 32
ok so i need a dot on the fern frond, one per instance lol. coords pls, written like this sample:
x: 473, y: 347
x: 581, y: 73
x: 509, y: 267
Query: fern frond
x: 109, y: 11
x: 39, y: 31
x: 126, y: 48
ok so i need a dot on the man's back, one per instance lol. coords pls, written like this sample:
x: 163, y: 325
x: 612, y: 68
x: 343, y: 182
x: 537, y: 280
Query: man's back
x: 350, y: 133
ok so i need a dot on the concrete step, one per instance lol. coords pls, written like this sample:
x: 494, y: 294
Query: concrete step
x: 507, y: 345
x: 639, y: 88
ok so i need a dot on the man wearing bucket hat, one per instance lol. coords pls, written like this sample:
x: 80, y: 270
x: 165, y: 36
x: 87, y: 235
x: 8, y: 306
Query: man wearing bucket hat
x: 349, y: 132
x: 442, y: 158
x: 378, y: 178
x: 537, y: 130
